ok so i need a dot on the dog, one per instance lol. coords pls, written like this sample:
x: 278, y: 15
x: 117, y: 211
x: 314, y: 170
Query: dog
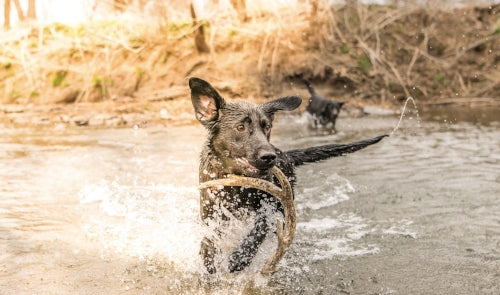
x: 323, y: 110
x: 238, y: 143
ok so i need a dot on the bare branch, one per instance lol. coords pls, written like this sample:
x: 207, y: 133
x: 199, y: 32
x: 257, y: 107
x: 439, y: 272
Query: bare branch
x: 199, y: 33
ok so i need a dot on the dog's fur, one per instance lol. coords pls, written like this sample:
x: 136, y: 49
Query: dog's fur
x: 323, y: 110
x: 238, y: 143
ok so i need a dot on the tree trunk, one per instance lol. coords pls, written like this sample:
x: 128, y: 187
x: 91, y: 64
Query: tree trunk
x: 199, y: 33
x: 119, y: 5
x: 19, y: 9
x: 31, y: 9
x: 241, y: 8
x: 6, y: 14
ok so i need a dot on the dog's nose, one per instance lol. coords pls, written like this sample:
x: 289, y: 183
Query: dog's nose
x: 268, y: 157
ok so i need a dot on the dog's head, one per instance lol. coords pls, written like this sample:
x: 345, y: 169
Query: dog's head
x: 331, y: 112
x: 239, y: 130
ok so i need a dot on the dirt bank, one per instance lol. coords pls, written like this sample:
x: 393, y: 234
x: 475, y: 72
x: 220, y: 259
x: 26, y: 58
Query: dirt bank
x: 134, y: 72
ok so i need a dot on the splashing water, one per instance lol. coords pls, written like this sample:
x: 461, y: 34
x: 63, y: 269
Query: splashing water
x: 145, y: 221
x: 160, y: 224
x: 403, y: 114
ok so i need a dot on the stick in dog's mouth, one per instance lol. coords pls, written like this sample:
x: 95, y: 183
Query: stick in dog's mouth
x: 284, y: 195
x: 243, y: 162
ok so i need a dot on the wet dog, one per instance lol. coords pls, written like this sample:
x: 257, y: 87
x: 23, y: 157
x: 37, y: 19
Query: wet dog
x: 238, y: 143
x: 323, y: 110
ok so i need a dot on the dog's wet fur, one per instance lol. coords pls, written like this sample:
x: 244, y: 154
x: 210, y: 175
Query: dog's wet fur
x: 323, y: 110
x: 238, y: 143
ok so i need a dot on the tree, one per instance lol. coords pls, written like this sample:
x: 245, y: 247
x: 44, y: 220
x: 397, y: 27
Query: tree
x: 6, y: 14
x: 19, y: 9
x: 120, y: 5
x: 241, y: 8
x: 31, y: 9
x: 199, y: 33
x: 20, y: 14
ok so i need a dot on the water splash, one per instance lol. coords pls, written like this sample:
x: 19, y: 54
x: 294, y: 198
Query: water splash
x: 403, y: 114
x: 146, y: 221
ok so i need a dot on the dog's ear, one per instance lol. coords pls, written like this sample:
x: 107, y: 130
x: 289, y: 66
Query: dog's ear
x: 287, y: 103
x: 206, y: 101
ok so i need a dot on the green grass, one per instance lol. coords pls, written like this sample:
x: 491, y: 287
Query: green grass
x: 165, y: 57
x: 344, y: 49
x: 497, y: 28
x: 365, y: 64
x: 398, y: 30
x: 15, y: 95
x: 439, y: 81
x: 439, y: 77
x: 34, y: 93
x: 58, y: 78
x: 101, y: 83
x: 139, y: 72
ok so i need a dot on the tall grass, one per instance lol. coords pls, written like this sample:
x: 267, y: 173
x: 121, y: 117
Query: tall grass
x: 146, y: 54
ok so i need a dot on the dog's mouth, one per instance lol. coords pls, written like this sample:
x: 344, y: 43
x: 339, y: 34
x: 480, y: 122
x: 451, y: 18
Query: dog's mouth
x: 245, y: 164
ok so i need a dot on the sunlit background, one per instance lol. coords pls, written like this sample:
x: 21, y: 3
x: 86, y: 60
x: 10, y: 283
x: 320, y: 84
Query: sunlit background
x: 77, y: 11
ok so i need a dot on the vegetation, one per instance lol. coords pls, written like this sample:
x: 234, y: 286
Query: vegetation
x: 381, y: 53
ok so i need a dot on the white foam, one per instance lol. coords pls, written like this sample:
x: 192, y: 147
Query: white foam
x: 145, y: 221
x: 329, y: 237
x: 316, y: 197
x: 401, y: 227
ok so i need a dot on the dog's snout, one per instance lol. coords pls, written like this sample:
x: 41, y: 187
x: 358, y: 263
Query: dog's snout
x: 268, y: 157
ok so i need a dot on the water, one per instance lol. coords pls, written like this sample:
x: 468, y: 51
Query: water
x: 115, y: 211
x: 404, y: 112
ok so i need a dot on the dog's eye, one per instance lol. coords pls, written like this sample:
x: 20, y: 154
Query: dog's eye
x: 240, y: 127
x: 267, y: 127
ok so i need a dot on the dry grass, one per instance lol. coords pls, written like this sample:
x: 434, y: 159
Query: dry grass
x: 360, y: 51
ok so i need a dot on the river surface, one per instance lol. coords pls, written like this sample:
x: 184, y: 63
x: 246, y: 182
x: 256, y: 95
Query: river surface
x: 115, y: 211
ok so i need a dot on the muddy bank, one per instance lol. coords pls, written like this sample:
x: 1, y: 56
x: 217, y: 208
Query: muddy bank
x: 120, y: 73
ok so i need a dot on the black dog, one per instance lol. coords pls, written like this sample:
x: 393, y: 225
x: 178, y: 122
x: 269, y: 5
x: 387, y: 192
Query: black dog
x: 323, y: 110
x: 238, y: 143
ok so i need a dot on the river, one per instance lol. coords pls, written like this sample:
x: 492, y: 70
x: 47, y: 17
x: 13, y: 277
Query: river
x: 115, y: 210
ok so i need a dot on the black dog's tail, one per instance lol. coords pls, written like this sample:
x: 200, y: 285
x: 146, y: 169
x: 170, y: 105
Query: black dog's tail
x: 309, y: 86
x: 318, y: 153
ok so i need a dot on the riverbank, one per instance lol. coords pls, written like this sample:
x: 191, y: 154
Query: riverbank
x: 123, y: 72
x: 175, y: 112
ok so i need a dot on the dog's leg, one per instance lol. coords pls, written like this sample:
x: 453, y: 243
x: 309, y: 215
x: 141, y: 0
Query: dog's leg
x: 247, y: 250
x: 207, y: 252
